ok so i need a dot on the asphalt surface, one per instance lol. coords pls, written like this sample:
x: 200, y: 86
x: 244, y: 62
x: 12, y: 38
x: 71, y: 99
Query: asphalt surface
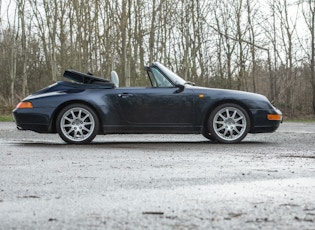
x: 158, y: 181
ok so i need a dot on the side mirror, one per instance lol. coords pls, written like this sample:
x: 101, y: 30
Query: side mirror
x: 180, y: 88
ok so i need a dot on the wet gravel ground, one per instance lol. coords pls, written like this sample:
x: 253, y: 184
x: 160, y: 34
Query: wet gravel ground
x: 158, y: 181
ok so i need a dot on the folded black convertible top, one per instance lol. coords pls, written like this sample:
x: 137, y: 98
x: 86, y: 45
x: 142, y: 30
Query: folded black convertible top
x: 83, y: 77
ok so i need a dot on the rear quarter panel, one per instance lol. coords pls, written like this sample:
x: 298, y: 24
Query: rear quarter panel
x: 48, y: 105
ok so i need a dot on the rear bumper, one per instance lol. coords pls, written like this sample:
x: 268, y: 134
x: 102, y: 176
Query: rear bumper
x: 30, y: 119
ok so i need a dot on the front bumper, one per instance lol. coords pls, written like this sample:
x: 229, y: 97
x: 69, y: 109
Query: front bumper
x: 266, y: 120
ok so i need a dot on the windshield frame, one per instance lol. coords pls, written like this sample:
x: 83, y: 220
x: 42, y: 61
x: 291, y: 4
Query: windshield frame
x: 173, y: 77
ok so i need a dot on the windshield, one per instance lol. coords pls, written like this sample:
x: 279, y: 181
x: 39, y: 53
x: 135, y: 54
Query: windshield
x: 158, y: 79
x: 171, y: 75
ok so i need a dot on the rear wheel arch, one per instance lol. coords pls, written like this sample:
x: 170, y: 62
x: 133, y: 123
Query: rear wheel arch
x: 53, y: 124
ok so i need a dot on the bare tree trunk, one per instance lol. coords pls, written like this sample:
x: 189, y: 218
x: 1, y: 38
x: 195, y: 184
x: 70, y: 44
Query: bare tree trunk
x: 252, y: 40
x: 223, y: 15
x: 312, y: 30
x: 152, y: 32
x: 287, y: 36
x: 21, y: 15
x: 52, y: 27
x: 185, y: 24
x: 0, y: 13
x: 309, y: 17
x: 13, y: 59
x: 123, y: 31
x: 273, y: 82
x: 63, y: 36
x: 239, y: 35
x: 44, y: 24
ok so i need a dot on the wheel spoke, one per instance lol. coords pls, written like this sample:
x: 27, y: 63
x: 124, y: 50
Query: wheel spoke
x: 236, y: 130
x: 227, y: 111
x: 69, y: 119
x: 79, y: 114
x: 223, y: 117
x: 238, y: 119
x: 221, y: 128
x: 225, y: 132
x: 73, y: 115
x: 240, y: 125
x: 220, y: 122
x: 234, y: 114
x: 70, y: 131
x: 86, y: 116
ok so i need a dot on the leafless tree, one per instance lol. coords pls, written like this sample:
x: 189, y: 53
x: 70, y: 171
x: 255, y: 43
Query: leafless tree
x: 308, y: 9
x: 219, y: 43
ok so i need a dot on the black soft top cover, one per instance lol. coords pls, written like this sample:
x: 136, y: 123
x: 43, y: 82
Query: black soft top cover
x: 84, y: 77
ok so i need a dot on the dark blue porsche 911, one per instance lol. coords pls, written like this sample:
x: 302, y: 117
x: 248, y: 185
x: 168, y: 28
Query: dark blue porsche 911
x: 89, y: 105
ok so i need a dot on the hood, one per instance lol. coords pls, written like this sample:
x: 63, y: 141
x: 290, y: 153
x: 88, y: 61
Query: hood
x: 231, y: 93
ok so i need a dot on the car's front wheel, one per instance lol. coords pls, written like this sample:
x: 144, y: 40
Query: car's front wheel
x: 77, y: 124
x: 229, y: 123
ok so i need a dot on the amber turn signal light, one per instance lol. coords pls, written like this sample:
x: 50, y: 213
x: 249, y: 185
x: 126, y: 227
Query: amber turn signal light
x: 274, y: 117
x: 24, y: 105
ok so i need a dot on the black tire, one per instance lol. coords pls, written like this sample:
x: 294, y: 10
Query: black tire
x: 77, y: 124
x: 207, y: 135
x: 229, y: 123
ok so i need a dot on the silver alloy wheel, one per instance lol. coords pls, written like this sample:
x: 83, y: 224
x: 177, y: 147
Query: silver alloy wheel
x: 77, y: 124
x: 230, y: 123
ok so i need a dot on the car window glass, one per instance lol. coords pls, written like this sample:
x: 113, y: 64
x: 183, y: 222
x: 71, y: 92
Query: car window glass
x: 160, y: 79
x: 152, y: 79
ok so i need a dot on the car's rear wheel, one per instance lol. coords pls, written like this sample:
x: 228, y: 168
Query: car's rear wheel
x: 229, y: 123
x: 77, y: 124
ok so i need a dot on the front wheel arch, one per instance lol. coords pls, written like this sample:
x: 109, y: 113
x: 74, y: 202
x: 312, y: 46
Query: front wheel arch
x: 215, y: 105
x: 229, y: 123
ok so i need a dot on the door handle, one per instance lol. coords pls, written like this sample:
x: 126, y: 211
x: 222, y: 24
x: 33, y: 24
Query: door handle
x: 125, y: 95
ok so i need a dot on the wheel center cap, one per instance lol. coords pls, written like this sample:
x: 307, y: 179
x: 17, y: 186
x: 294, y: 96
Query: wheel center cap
x: 230, y: 124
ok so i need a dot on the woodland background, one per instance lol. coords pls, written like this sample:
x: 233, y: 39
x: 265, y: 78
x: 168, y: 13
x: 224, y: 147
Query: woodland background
x: 259, y: 46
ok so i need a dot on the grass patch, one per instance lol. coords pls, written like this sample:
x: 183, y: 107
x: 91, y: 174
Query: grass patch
x: 6, y: 118
x: 300, y: 120
x: 303, y: 118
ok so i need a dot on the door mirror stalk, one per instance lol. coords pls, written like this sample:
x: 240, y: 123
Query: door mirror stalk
x: 180, y: 88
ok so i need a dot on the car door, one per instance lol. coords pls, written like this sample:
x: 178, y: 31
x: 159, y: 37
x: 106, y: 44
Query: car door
x: 157, y: 106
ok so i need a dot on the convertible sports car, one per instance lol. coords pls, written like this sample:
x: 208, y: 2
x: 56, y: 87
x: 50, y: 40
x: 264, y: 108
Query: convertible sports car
x: 80, y: 109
